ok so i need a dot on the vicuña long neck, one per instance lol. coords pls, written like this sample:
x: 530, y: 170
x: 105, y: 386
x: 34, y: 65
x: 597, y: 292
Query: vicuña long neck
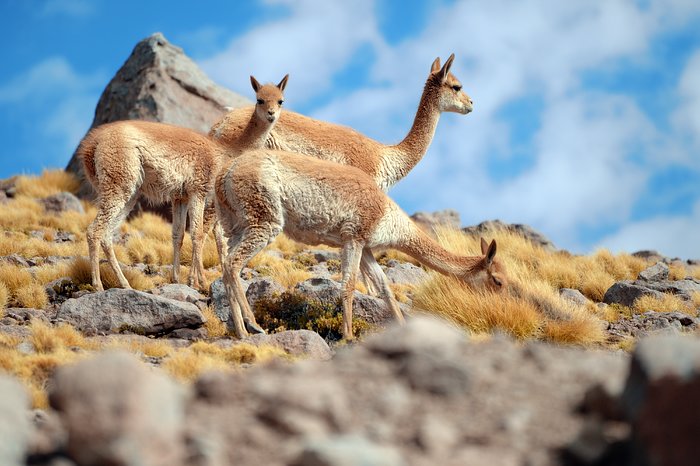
x: 422, y: 247
x: 415, y: 144
x: 255, y: 133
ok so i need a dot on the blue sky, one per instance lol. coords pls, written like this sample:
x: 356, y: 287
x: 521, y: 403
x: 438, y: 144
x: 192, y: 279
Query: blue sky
x: 587, y: 113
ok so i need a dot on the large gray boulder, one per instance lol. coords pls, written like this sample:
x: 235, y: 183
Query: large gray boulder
x: 158, y: 82
x: 118, y: 411
x: 62, y: 202
x: 488, y: 227
x: 429, y: 221
x: 626, y: 292
x: 14, y: 422
x: 117, y: 310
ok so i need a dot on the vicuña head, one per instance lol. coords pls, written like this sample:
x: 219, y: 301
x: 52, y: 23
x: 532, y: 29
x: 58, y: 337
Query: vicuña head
x: 492, y: 274
x: 269, y: 99
x: 448, y: 90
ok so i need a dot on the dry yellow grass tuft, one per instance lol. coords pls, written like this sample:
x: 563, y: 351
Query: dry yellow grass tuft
x: 188, y: 364
x: 668, y: 303
x: 286, y: 272
x: 215, y: 328
x: 79, y: 271
x: 532, y: 308
x: 22, y: 289
x: 4, y: 297
x: 48, y: 183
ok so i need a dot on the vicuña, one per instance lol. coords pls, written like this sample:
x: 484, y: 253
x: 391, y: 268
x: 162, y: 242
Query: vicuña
x: 126, y: 159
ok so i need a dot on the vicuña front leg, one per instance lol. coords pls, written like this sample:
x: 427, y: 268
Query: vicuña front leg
x: 196, y: 213
x: 251, y: 242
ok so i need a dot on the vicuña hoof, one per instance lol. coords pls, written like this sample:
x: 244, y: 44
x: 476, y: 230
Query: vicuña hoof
x: 252, y: 327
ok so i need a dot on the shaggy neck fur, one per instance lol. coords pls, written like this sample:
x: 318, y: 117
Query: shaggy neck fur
x: 423, y: 248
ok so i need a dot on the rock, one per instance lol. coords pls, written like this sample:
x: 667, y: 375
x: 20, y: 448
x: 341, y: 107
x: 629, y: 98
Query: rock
x: 430, y: 220
x: 219, y: 301
x: 63, y: 202
x: 49, y: 434
x: 405, y: 273
x: 14, y: 422
x: 656, y: 272
x: 179, y: 292
x: 117, y: 411
x: 661, y: 400
x: 574, y: 296
x: 25, y: 315
x: 15, y: 259
x: 347, y: 450
x: 650, y: 255
x: 302, y: 343
x: 12, y: 330
x: 63, y: 237
x: 263, y: 287
x: 327, y: 291
x: 324, y: 255
x: 60, y: 289
x: 627, y: 292
x: 526, y: 231
x: 117, y: 310
x: 158, y: 82
x: 190, y: 334
x: 647, y: 323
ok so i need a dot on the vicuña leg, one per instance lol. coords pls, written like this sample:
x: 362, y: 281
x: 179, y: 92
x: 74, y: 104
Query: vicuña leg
x: 378, y: 278
x: 179, y: 220
x: 350, y: 257
x: 111, y: 212
x: 251, y: 242
x: 196, y: 213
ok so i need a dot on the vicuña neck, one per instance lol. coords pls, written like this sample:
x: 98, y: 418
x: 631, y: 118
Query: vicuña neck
x: 255, y: 133
x: 422, y: 247
x: 416, y: 143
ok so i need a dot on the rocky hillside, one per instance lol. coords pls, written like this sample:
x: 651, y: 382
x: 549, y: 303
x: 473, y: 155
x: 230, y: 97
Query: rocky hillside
x: 584, y: 360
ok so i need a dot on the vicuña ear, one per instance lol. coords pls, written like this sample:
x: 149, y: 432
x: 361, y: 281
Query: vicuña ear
x: 435, y: 66
x: 446, y: 67
x: 484, y: 246
x: 283, y: 83
x: 491, y: 253
x: 255, y: 83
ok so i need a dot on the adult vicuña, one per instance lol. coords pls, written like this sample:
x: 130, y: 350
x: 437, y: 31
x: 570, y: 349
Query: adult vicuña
x: 265, y: 192
x: 386, y: 164
x: 163, y: 162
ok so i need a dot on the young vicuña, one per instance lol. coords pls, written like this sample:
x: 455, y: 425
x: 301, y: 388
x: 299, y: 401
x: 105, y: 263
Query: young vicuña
x: 264, y: 192
x: 126, y: 159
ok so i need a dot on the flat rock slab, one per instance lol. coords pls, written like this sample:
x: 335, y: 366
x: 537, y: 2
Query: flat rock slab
x: 304, y: 343
x: 117, y: 310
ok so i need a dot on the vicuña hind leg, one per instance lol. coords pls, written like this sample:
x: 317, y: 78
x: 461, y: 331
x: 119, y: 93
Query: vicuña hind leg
x: 350, y: 265
x: 110, y: 214
x: 179, y: 219
x: 196, y: 214
x: 377, y: 276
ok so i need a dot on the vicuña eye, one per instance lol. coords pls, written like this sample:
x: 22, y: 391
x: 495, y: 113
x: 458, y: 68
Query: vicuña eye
x: 280, y: 102
x: 457, y: 87
x: 261, y: 101
x: 497, y: 281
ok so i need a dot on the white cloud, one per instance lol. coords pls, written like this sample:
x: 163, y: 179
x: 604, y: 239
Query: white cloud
x: 674, y: 236
x: 75, y: 8
x: 60, y: 100
x: 50, y: 77
x: 687, y: 116
x: 315, y: 41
